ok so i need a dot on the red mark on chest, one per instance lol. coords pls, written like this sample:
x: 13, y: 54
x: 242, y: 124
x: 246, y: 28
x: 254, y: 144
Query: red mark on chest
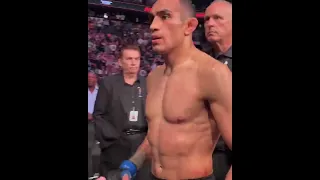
x: 201, y: 173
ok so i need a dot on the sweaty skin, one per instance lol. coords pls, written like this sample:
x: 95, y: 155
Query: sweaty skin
x: 186, y: 111
x: 189, y: 100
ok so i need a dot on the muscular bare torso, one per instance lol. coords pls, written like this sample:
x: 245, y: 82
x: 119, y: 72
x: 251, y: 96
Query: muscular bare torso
x: 182, y: 131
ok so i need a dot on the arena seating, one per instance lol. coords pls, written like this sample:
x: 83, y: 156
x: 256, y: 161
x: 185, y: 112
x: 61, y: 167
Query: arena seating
x: 105, y: 39
x: 106, y: 35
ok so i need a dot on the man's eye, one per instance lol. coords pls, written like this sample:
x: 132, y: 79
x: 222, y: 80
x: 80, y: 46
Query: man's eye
x: 165, y: 16
x: 217, y: 17
x: 151, y: 18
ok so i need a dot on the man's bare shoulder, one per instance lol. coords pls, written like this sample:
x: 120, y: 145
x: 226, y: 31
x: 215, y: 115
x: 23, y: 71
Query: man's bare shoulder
x: 205, y: 61
x: 154, y: 76
x: 209, y: 66
x: 157, y: 72
x: 211, y: 72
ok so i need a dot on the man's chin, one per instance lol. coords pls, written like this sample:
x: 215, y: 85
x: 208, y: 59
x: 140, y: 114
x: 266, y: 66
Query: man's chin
x: 133, y: 72
x: 213, y: 39
x: 158, y: 50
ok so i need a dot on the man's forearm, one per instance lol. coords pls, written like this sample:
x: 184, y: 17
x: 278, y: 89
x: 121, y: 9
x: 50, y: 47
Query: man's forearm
x: 141, y: 154
x: 229, y: 175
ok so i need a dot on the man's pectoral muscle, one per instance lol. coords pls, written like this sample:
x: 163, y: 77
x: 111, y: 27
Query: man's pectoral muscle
x: 141, y: 154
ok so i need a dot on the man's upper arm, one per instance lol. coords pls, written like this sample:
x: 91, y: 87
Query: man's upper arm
x: 148, y: 82
x: 100, y: 107
x: 104, y: 129
x: 220, y: 95
x: 150, y: 78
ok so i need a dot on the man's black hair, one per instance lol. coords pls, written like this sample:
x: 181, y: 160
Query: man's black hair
x: 189, y: 9
x: 93, y: 73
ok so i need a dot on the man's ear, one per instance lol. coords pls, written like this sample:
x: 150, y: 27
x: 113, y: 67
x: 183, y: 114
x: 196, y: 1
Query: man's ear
x: 119, y: 62
x: 191, y: 24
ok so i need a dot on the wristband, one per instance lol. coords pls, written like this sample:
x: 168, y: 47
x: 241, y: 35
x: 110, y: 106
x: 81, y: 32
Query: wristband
x: 130, y: 166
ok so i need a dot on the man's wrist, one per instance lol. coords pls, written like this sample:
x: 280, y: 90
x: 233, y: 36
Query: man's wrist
x: 138, y: 159
x: 128, y: 167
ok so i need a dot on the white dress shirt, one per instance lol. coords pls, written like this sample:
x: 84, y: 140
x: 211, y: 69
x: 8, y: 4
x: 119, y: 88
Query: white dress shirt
x: 92, y: 99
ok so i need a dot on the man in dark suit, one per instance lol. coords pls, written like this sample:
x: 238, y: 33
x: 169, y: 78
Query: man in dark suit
x: 92, y: 94
x: 119, y: 114
x: 218, y: 32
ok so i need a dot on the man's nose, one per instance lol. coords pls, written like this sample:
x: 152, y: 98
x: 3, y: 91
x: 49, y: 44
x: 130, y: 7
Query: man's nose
x: 133, y: 62
x: 210, y: 22
x: 154, y: 24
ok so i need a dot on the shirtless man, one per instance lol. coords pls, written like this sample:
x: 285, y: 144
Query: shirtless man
x: 189, y: 102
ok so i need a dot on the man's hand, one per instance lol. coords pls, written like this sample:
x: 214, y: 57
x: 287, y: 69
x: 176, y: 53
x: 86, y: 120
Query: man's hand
x: 90, y: 118
x: 229, y: 175
x: 125, y: 177
x: 101, y: 178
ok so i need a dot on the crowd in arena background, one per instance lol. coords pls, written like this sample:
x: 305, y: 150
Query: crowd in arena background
x: 107, y: 33
x: 106, y: 36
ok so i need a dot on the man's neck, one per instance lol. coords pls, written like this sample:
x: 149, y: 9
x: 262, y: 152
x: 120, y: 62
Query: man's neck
x: 222, y: 46
x: 178, y: 55
x: 130, y: 78
x: 91, y: 88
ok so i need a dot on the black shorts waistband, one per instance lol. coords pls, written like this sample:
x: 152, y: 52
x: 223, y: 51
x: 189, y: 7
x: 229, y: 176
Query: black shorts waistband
x: 211, y: 177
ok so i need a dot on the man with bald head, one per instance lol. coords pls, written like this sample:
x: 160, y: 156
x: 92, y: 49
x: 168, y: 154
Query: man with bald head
x: 188, y: 105
x: 218, y: 31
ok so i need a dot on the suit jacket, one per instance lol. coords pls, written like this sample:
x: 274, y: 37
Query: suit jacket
x: 225, y: 58
x: 110, y: 115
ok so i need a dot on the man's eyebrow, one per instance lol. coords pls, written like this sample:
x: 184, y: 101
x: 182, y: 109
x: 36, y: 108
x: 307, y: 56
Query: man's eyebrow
x: 212, y: 15
x: 163, y: 11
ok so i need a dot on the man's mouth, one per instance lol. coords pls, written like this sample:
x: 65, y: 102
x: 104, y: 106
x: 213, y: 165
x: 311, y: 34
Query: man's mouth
x: 212, y: 33
x: 155, y: 40
x: 156, y: 37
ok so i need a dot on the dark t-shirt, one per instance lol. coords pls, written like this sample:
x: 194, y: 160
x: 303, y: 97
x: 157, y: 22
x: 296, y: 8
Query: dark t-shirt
x: 225, y: 58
